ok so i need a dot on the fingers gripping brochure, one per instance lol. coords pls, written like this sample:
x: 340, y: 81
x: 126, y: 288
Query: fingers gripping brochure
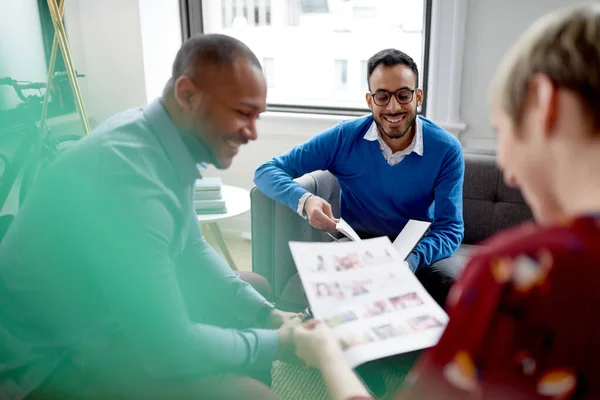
x: 404, y: 243
x: 406, y: 240
x: 368, y: 295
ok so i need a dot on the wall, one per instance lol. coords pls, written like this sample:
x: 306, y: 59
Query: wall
x: 491, y: 27
x: 105, y: 38
x: 21, y: 58
x: 161, y: 38
x: 106, y: 45
x: 21, y: 47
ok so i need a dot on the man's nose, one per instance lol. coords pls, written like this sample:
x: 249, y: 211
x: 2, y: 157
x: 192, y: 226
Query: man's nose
x: 394, y: 104
x: 250, y: 132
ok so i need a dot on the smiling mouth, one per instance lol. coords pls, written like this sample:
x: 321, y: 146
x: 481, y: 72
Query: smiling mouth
x: 234, y: 145
x: 395, y: 119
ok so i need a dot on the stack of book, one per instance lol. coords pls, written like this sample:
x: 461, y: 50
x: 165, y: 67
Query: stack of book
x: 208, y: 197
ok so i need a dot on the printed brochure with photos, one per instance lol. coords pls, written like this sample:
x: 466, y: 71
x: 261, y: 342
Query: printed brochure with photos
x: 368, y: 295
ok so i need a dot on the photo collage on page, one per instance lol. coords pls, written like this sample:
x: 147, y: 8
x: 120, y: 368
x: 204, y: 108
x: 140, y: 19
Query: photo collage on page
x: 365, y: 295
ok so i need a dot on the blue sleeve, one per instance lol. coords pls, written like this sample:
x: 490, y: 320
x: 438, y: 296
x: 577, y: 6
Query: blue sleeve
x: 447, y: 230
x: 275, y: 177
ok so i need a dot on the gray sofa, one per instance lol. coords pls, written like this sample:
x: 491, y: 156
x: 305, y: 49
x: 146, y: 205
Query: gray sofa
x: 488, y: 206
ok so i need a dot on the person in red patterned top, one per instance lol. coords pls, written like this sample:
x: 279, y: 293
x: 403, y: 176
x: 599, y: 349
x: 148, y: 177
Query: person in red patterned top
x: 523, y: 315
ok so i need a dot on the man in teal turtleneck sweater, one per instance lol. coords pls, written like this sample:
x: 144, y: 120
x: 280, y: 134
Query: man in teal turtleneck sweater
x: 107, y: 285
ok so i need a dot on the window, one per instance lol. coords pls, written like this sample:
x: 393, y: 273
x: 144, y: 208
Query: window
x: 320, y: 46
x: 268, y: 65
x: 314, y: 6
x: 341, y: 74
x: 364, y: 85
x: 242, y: 13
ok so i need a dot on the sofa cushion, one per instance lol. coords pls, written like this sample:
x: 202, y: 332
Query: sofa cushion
x: 292, y: 297
x: 488, y: 204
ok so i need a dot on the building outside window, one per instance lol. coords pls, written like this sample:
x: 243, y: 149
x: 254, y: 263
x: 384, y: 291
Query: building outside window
x: 320, y: 47
x: 341, y: 75
x: 363, y: 75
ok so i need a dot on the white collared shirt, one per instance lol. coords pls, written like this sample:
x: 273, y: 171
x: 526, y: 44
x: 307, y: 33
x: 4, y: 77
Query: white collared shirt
x: 416, y: 146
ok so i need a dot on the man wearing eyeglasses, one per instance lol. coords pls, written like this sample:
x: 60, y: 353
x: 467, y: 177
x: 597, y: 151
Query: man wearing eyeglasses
x: 392, y: 166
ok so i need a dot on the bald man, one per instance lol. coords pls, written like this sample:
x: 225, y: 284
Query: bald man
x: 108, y: 287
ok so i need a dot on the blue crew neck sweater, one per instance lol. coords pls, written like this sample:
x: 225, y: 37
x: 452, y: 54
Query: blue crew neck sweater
x: 378, y: 199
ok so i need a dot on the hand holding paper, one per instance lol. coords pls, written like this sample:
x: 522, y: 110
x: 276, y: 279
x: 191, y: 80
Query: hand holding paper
x: 404, y: 243
x: 319, y: 214
x: 317, y: 344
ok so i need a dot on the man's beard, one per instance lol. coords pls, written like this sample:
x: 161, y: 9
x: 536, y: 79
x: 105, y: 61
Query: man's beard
x: 396, y: 136
x: 199, y: 149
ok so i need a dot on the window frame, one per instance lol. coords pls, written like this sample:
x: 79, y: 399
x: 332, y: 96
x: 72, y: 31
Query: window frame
x: 192, y: 23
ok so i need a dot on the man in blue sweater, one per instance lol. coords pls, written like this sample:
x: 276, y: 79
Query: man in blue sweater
x: 392, y: 166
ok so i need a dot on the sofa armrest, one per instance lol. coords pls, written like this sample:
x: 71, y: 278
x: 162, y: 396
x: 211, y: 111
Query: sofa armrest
x: 274, y: 225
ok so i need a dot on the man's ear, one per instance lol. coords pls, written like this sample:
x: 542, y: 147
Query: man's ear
x: 542, y: 99
x: 419, y: 97
x: 184, y: 91
x: 369, y: 100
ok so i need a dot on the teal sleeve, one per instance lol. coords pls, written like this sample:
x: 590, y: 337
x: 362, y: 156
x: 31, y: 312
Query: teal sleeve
x: 129, y: 251
x: 214, y: 276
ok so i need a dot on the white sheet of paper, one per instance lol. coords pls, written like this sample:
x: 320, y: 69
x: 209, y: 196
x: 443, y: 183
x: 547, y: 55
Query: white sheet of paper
x: 344, y: 228
x: 370, y: 298
x: 409, y: 237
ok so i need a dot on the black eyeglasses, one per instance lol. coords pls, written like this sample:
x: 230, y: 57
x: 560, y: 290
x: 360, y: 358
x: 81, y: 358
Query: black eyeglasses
x: 382, y: 98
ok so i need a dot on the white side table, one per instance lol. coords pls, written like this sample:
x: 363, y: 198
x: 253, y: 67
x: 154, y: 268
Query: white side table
x: 238, y: 203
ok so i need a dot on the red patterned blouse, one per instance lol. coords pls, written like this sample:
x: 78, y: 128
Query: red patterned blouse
x: 524, y: 320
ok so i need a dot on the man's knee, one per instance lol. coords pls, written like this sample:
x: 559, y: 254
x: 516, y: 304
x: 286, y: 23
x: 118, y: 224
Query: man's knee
x: 436, y: 282
x: 258, y: 282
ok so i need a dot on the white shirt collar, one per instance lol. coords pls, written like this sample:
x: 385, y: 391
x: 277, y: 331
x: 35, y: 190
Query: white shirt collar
x: 415, y: 146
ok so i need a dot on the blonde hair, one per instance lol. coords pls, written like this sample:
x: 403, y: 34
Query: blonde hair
x: 564, y: 46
